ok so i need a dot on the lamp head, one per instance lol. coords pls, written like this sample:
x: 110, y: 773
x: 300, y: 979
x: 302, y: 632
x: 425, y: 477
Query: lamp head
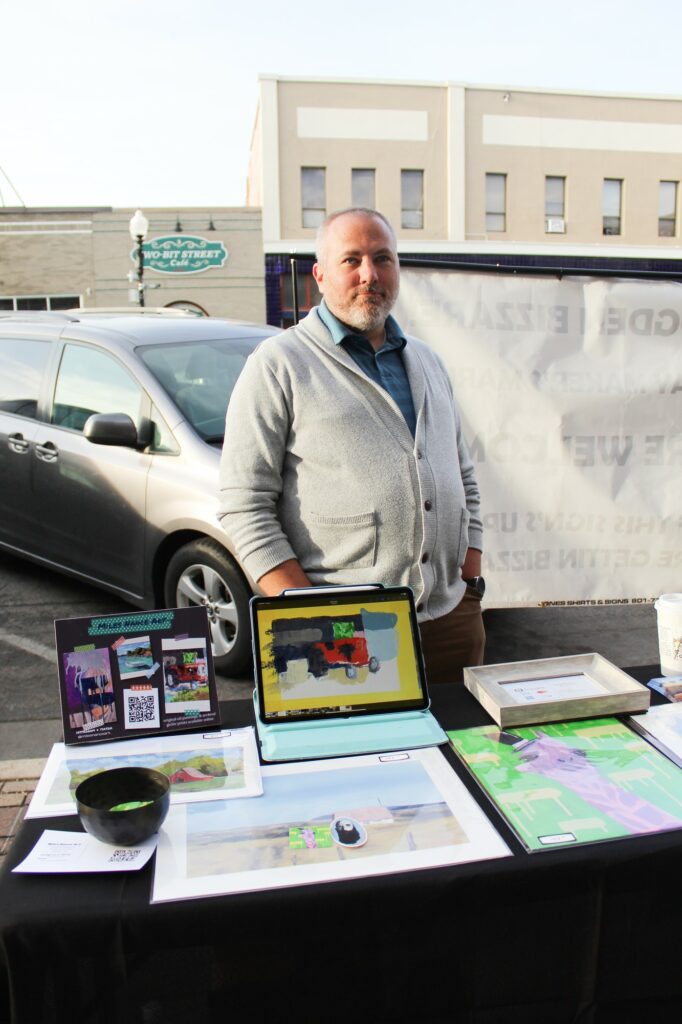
x: 139, y: 225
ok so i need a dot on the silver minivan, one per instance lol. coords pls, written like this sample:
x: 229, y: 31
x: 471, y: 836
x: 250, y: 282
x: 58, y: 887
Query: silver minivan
x: 111, y: 426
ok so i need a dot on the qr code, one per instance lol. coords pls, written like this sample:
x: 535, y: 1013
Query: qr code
x: 122, y: 856
x: 141, y: 709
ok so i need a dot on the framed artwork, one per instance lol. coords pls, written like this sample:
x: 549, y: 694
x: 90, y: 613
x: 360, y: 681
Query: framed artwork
x: 555, y: 689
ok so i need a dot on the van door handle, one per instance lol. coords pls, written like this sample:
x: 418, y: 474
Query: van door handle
x: 47, y: 452
x: 18, y: 443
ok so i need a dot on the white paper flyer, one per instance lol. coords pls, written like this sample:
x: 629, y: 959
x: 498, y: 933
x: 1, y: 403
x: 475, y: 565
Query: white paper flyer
x: 79, y: 853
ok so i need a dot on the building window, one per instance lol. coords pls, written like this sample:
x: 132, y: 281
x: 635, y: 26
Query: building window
x: 362, y: 187
x: 611, y: 206
x: 313, y: 197
x: 308, y: 295
x: 495, y: 202
x: 34, y: 303
x: 412, y: 199
x: 555, y: 198
x: 667, y: 209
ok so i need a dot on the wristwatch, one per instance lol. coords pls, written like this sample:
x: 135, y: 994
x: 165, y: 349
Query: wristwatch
x: 477, y: 583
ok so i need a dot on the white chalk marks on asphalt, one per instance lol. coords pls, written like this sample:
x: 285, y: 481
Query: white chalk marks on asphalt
x: 22, y: 643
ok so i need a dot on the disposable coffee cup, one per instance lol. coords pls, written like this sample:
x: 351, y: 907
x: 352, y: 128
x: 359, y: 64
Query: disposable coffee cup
x: 669, y: 612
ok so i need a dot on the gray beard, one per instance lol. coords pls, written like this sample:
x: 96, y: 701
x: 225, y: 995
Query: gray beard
x: 370, y: 318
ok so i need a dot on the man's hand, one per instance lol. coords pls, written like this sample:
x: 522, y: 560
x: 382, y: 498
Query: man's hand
x: 472, y: 564
x: 284, y: 576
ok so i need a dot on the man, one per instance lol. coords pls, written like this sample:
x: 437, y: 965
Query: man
x: 346, y: 462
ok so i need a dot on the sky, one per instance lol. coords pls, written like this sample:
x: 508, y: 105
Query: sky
x: 134, y: 103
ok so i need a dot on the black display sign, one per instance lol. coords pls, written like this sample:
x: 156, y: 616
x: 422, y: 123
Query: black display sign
x: 137, y: 674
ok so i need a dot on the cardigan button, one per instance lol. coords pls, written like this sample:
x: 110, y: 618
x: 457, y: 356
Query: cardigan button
x: 420, y: 607
x: 428, y: 506
x: 425, y: 557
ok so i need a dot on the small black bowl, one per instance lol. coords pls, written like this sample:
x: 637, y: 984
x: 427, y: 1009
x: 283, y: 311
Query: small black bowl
x: 96, y: 796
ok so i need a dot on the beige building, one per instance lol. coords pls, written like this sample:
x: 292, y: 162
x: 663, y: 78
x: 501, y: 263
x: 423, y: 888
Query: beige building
x: 459, y: 168
x: 57, y: 258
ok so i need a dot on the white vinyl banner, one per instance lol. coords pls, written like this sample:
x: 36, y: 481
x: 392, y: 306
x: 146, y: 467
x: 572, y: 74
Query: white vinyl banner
x: 571, y: 398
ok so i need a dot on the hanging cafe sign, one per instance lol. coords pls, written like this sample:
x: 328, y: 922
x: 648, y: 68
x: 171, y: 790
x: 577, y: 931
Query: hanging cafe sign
x: 181, y: 254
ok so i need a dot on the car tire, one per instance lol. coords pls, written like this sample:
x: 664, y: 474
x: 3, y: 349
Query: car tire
x: 201, y: 573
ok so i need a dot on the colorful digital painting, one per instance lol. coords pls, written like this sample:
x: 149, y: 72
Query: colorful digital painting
x: 341, y: 656
x: 89, y: 688
x: 570, y: 783
x: 323, y: 821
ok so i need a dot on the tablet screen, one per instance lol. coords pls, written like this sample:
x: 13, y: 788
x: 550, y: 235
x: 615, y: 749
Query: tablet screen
x: 350, y: 653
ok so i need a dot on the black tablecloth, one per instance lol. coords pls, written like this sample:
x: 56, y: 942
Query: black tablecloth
x: 587, y: 934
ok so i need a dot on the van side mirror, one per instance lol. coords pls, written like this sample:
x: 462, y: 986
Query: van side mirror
x: 112, y: 428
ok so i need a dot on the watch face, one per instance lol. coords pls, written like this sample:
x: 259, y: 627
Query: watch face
x: 477, y: 583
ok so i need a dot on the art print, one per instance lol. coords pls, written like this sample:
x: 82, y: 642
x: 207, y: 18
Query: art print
x: 561, y: 687
x: 662, y: 726
x: 207, y: 766
x: 325, y: 821
x: 570, y: 783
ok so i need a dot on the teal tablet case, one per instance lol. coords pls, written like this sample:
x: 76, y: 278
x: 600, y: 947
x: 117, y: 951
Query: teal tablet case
x: 333, y: 737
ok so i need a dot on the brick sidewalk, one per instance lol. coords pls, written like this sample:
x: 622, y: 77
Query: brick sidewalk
x: 18, y: 779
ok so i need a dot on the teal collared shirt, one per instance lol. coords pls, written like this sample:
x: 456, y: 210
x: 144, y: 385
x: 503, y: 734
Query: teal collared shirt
x: 385, y: 367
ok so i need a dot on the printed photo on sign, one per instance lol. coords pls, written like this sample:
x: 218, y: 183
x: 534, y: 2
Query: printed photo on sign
x: 135, y: 657
x: 89, y: 688
x: 185, y: 675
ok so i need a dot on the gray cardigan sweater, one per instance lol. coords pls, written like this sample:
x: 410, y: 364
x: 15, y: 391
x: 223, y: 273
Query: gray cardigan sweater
x: 321, y: 467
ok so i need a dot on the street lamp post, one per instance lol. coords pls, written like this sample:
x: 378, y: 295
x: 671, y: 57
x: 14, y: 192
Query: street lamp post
x: 139, y: 225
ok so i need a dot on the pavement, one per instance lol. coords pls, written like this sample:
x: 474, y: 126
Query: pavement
x: 18, y: 779
x: 626, y: 635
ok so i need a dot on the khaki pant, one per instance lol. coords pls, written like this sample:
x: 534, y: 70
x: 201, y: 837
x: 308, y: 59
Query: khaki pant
x: 454, y: 640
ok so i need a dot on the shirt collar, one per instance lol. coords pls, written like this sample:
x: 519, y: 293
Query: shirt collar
x: 342, y: 332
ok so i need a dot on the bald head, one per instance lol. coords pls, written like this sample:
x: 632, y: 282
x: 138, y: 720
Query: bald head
x: 351, y: 211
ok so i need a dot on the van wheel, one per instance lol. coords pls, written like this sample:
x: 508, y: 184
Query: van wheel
x: 202, y: 574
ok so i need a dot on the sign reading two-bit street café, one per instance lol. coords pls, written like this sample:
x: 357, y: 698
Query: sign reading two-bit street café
x: 181, y: 254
